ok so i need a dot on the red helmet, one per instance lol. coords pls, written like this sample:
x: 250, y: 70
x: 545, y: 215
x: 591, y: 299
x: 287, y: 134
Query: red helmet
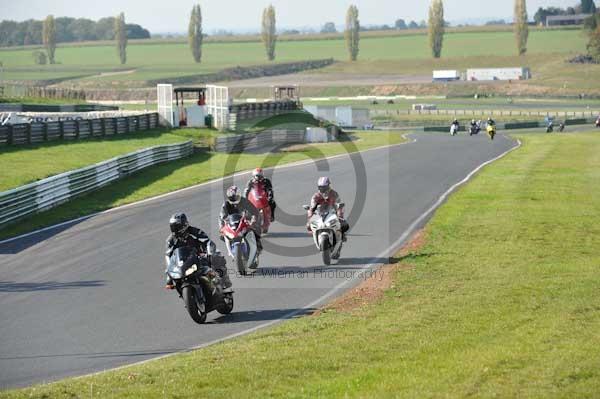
x: 258, y: 174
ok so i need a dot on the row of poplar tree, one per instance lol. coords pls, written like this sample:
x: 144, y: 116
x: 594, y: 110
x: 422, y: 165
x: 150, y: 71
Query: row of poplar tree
x: 49, y: 37
x: 436, y: 27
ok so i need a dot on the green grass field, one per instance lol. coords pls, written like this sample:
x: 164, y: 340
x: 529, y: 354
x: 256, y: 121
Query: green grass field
x: 183, y: 173
x: 396, y: 54
x: 20, y: 165
x: 502, y: 300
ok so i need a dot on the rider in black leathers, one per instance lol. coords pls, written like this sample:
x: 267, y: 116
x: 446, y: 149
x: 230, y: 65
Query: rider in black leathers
x: 182, y: 234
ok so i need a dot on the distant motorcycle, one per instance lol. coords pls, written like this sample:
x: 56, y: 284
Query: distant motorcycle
x: 474, y: 129
x: 598, y: 122
x: 259, y: 198
x: 453, y: 129
x: 550, y: 128
x: 326, y: 230
x: 197, y: 284
x: 561, y: 127
x: 241, y: 242
x: 491, y: 131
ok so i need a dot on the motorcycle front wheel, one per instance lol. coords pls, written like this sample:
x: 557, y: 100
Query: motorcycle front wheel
x: 227, y: 306
x: 240, y: 262
x: 197, y: 311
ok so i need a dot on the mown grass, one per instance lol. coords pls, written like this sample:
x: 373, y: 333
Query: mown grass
x: 20, y: 165
x: 165, y: 60
x: 186, y: 172
x: 290, y: 120
x: 501, y: 301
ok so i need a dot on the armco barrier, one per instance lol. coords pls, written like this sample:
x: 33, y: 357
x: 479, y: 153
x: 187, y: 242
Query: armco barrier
x: 28, y: 133
x: 249, y: 142
x: 50, y: 192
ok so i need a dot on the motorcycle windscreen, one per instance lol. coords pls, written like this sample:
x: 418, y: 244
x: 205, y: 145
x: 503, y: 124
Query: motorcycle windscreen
x: 178, y: 259
x: 234, y: 220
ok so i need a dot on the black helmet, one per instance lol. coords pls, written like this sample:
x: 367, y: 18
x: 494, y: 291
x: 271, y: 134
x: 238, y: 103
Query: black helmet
x: 179, y: 224
x: 233, y: 195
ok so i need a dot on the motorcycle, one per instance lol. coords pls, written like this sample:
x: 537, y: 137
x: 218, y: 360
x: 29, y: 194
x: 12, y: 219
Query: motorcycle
x: 197, y: 284
x: 453, y: 129
x: 550, y: 128
x: 241, y: 242
x: 598, y: 122
x: 561, y: 127
x: 474, y: 129
x: 491, y: 131
x: 259, y: 198
x: 326, y: 230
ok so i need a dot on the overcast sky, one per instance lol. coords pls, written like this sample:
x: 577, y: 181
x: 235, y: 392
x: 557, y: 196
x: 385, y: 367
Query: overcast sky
x: 240, y: 15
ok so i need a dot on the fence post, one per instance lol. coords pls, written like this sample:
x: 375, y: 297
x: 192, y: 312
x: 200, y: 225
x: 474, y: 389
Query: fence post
x: 62, y: 130
x: 45, y: 131
x: 77, y: 122
x: 115, y: 125
x: 147, y: 121
x: 127, y: 120
x: 103, y: 124
x: 9, y: 135
x: 28, y: 133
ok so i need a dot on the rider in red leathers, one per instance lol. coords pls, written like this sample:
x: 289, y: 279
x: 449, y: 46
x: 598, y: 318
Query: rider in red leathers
x: 327, y: 195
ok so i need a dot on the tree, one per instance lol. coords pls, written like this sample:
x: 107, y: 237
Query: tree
x: 329, y: 27
x: 121, y: 37
x: 49, y: 37
x: 352, y: 33
x: 594, y: 44
x: 521, y: 26
x: 413, y: 25
x: 436, y: 27
x: 400, y: 24
x: 588, y: 7
x: 195, y: 33
x: 39, y: 57
x: 269, y: 31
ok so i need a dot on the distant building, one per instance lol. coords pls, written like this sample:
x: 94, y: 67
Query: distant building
x: 557, y: 20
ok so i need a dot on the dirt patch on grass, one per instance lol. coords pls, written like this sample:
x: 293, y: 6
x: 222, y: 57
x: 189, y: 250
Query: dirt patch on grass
x: 372, y: 289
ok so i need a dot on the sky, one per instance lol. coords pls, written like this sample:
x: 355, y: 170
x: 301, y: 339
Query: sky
x: 244, y: 15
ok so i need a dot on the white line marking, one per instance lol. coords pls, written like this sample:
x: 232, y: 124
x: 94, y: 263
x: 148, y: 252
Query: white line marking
x: 394, y: 247
x: 206, y: 183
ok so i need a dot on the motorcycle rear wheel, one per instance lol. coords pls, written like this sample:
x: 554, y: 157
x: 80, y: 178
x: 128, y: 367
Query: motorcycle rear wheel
x: 197, y: 313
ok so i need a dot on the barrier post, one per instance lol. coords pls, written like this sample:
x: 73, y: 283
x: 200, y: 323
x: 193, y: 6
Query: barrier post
x: 9, y: 135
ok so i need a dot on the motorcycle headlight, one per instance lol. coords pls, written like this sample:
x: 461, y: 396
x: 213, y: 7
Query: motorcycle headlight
x: 330, y: 223
x: 175, y: 273
x: 314, y: 226
x: 191, y: 270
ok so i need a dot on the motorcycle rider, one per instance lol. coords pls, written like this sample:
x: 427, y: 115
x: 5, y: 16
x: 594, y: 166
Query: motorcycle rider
x: 182, y: 234
x: 490, y: 121
x: 474, y: 126
x: 456, y: 123
x: 258, y: 177
x: 235, y: 203
x: 327, y: 195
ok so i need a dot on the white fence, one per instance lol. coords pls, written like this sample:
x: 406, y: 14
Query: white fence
x: 55, y: 190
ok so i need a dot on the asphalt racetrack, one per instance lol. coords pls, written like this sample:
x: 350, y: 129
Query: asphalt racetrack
x: 88, y: 296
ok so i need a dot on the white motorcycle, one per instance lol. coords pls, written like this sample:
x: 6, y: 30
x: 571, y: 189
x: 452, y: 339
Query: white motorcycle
x: 453, y: 129
x: 327, y: 231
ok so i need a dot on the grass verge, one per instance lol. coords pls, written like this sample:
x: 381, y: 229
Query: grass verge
x: 20, y: 165
x: 187, y: 172
x: 501, y: 300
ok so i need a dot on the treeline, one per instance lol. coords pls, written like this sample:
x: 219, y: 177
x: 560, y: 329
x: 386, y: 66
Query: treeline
x: 68, y: 30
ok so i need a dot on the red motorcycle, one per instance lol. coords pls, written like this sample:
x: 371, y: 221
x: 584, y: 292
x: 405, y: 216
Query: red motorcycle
x: 241, y: 242
x: 259, y: 198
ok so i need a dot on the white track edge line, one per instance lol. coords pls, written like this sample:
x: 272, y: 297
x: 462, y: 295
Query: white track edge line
x: 333, y: 290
